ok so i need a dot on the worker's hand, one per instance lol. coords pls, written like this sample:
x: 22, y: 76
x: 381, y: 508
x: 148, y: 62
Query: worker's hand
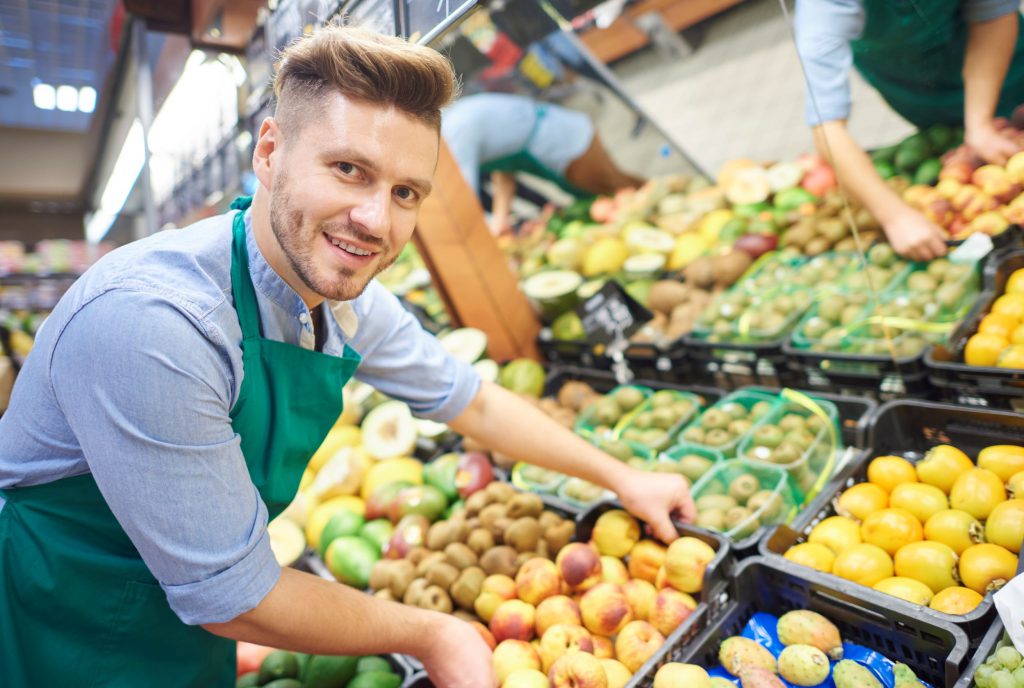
x: 914, y: 236
x: 459, y: 657
x: 656, y: 498
x: 990, y: 144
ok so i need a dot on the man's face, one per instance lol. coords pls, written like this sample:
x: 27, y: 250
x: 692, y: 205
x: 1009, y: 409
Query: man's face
x: 346, y: 190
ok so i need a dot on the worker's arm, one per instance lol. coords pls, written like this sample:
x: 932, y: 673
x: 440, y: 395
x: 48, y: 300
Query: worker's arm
x: 502, y: 421
x: 990, y: 47
x: 910, y: 233
x: 503, y: 190
x: 304, y: 613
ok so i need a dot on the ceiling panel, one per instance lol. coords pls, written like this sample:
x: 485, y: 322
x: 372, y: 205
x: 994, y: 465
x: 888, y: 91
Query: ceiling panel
x: 55, y: 42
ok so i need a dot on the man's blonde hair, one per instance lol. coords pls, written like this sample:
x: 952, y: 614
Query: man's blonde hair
x: 362, y: 65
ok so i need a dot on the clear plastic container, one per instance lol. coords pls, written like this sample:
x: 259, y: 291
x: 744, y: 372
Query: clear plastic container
x: 694, y: 460
x: 633, y: 454
x: 659, y: 419
x: 772, y: 502
x: 728, y: 447
x: 771, y: 271
x: 581, y: 493
x: 590, y: 423
x: 536, y: 479
x: 953, y: 288
x: 740, y: 317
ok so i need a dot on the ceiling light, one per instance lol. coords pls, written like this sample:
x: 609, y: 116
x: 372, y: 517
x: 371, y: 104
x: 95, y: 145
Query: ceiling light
x: 44, y: 96
x: 87, y: 99
x: 119, y: 185
x: 67, y: 98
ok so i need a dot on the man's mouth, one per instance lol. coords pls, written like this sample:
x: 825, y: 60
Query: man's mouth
x: 351, y: 248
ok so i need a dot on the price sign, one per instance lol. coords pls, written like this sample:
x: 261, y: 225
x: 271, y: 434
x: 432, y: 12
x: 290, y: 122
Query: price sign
x: 611, y: 314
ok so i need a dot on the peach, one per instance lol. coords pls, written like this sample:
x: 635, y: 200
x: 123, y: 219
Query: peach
x: 495, y: 590
x: 526, y: 678
x: 674, y: 674
x: 645, y: 559
x: 513, y: 619
x: 1014, y: 212
x: 637, y: 643
x: 918, y: 195
x: 685, y: 562
x: 947, y: 188
x: 962, y: 197
x: 640, y: 596
x: 940, y: 211
x: 1015, y: 168
x: 670, y: 609
x: 604, y: 609
x: 562, y: 638
x: 485, y: 633
x: 992, y: 179
x: 613, y: 570
x: 557, y: 610
x: 538, y: 580
x: 617, y: 673
x: 512, y: 655
x: 578, y: 670
x: 580, y: 566
x: 615, y: 533
x: 992, y: 222
x: 603, y: 647
x: 958, y: 170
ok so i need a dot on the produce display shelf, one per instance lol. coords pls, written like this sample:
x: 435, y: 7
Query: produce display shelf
x: 732, y: 365
x: 978, y: 385
x: 985, y: 647
x: 935, y: 650
x: 908, y: 429
x: 570, y: 352
x: 604, y: 381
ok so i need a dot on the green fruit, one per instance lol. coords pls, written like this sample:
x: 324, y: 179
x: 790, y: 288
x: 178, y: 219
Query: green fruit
x: 850, y: 674
x: 377, y: 531
x: 715, y: 419
x: 284, y: 683
x: 736, y: 410
x: 882, y: 255
x: 249, y: 680
x: 760, y: 410
x: 885, y: 169
x: 374, y: 663
x: 628, y: 398
x: 425, y: 500
x: 329, y: 671
x: 885, y: 154
x: 523, y: 376
x: 375, y: 679
x: 941, y: 137
x: 342, y: 523
x: 769, y: 436
x: 1008, y: 657
x: 441, y: 474
x: 620, y: 450
x: 928, y: 172
x: 278, y: 664
x: 693, y: 466
x: 350, y: 559
x: 1002, y: 678
x: 568, y: 327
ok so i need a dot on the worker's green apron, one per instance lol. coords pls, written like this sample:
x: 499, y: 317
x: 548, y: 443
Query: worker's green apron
x: 524, y: 161
x: 78, y: 606
x: 912, y: 52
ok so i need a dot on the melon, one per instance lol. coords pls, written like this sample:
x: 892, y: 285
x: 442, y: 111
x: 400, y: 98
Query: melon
x: 466, y: 343
x: 487, y: 370
x: 643, y: 265
x: 287, y: 541
x: 389, y: 431
x: 643, y: 238
x: 523, y: 376
x: 552, y: 292
x: 605, y: 256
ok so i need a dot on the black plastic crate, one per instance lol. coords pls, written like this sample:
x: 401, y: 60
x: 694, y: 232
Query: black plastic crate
x: 908, y: 429
x: 604, y: 381
x: 730, y: 365
x: 978, y: 385
x: 570, y: 352
x: 985, y: 648
x: 935, y: 650
x: 668, y: 363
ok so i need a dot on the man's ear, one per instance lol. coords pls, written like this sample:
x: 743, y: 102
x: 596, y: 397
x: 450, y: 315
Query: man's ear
x: 268, y: 143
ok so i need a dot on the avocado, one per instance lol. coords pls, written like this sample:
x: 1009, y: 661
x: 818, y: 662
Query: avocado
x: 928, y: 172
x: 278, y: 664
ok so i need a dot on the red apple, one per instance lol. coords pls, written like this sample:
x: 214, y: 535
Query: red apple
x: 474, y: 473
x: 755, y: 245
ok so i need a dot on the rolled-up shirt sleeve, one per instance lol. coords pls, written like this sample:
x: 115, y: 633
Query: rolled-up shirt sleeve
x: 147, y: 393
x: 986, y: 10
x: 824, y: 30
x: 406, y: 362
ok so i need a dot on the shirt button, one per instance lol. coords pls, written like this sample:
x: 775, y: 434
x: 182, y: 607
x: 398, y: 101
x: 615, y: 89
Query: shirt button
x: 304, y: 318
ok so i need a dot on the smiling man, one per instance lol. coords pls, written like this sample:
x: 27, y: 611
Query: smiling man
x: 175, y: 395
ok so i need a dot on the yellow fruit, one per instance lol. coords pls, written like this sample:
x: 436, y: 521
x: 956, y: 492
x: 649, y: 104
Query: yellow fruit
x: 615, y: 533
x: 307, y: 478
x: 984, y: 349
x: 906, y: 589
x: 837, y: 533
x: 942, y: 465
x: 861, y: 500
x: 1011, y: 304
x: 1005, y: 525
x: 391, y: 471
x: 977, y: 492
x: 339, y: 437
x: 674, y: 674
x: 689, y: 247
x: 958, y: 600
x: 342, y: 474
x: 812, y: 554
x: 1015, y: 485
x: 526, y: 678
x: 605, y: 256
x: 865, y: 564
x: 987, y: 566
x: 319, y: 517
x: 616, y: 672
x: 1015, y: 284
x: 889, y: 471
x: 1002, y: 459
x: 932, y: 563
x: 891, y: 529
x: 711, y: 226
x: 956, y: 529
x: 919, y: 499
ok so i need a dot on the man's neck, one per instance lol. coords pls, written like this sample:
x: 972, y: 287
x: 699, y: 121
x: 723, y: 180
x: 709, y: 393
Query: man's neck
x: 272, y: 251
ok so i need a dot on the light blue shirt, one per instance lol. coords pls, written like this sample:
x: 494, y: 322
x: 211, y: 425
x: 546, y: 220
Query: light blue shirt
x: 133, y: 376
x: 824, y: 30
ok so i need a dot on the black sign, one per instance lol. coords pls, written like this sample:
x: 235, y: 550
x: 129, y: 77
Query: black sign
x: 423, y: 16
x: 611, y: 313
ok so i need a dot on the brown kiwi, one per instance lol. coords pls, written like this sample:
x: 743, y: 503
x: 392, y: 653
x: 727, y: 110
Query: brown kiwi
x: 480, y: 540
x: 491, y: 513
x: 441, y: 534
x: 442, y: 574
x: 385, y: 594
x: 415, y: 589
x: 523, y: 558
x: 523, y: 534
x: 500, y: 493
x: 466, y: 587
x: 417, y: 554
x: 460, y: 556
x: 428, y: 561
x: 402, y: 574
x: 436, y: 599
x: 499, y: 528
x: 542, y: 549
x: 380, y: 574
x: 548, y: 519
x: 476, y: 502
x: 525, y: 504
x: 499, y: 560
x: 559, y: 536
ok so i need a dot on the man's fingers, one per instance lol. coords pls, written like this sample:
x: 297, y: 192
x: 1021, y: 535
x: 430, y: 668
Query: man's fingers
x: 663, y: 528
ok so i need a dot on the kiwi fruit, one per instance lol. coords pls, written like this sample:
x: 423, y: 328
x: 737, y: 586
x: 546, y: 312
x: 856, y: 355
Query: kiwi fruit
x: 628, y: 398
x: 491, y: 513
x: 743, y: 487
x: 380, y: 574
x: 693, y: 466
x: 791, y: 421
x: 402, y: 574
x: 524, y: 504
x: 414, y: 590
x: 786, y: 453
x: 712, y: 519
x: 460, y: 556
x: 542, y: 549
x: 559, y: 535
x: 416, y: 555
x: 385, y: 594
x: 499, y: 492
x: 769, y: 503
x: 548, y: 519
x: 429, y: 561
x: 499, y: 560
x: 740, y: 426
x: 441, y: 534
x: 670, y: 467
x: 476, y: 502
x: 467, y: 586
x: 523, y: 534
x: 717, y: 437
x: 499, y: 527
x: 694, y: 434
x: 442, y: 574
x: 479, y: 541
x: 715, y: 419
x: 722, y: 502
x: 741, y: 522
x: 436, y: 599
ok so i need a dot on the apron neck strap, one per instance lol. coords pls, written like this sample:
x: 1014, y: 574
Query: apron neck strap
x: 241, y: 284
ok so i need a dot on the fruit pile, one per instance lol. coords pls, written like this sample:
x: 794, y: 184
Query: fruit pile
x: 268, y: 668
x: 737, y: 497
x: 599, y: 612
x: 917, y: 157
x: 999, y: 340
x: 1004, y: 668
x: 722, y: 426
x: 639, y: 414
x: 941, y: 533
x: 801, y: 647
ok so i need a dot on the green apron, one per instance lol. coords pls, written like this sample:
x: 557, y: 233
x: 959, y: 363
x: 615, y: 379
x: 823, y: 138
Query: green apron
x: 912, y: 52
x: 78, y: 606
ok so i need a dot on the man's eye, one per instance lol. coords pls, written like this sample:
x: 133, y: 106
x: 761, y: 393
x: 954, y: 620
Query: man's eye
x: 405, y: 193
x: 346, y: 168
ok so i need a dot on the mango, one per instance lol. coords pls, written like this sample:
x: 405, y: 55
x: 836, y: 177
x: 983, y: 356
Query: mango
x: 738, y: 654
x: 905, y: 677
x: 760, y: 678
x: 803, y: 665
x: 849, y: 674
x: 803, y: 627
